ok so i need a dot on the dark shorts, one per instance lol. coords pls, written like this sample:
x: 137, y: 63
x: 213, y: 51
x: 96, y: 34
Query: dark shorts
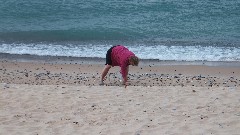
x: 108, y: 56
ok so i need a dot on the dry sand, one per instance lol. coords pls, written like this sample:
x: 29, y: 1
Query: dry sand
x: 52, y: 98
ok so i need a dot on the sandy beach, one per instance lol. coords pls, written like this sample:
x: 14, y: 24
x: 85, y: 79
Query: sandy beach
x: 39, y: 97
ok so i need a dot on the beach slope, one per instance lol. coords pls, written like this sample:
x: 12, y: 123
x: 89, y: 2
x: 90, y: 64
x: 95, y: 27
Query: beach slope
x: 52, y: 98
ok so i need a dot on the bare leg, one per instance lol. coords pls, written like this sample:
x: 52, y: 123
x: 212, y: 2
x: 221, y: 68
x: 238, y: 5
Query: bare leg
x: 104, y: 73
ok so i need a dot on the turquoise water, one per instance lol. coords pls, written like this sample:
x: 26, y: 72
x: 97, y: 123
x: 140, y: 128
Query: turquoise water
x: 182, y: 26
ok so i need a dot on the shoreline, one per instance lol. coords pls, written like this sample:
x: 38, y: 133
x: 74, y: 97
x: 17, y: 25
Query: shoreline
x: 97, y: 60
x: 59, y: 71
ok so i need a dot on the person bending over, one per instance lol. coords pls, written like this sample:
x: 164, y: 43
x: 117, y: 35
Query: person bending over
x: 119, y: 56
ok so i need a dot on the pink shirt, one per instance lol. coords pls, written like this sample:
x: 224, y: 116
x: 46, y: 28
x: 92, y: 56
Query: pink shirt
x: 120, y: 57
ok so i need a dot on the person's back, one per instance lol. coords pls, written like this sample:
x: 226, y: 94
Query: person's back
x: 120, y: 56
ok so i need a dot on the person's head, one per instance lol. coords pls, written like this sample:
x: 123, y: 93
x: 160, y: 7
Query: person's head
x: 133, y: 60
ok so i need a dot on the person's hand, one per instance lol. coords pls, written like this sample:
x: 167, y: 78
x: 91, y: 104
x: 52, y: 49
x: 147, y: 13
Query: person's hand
x: 125, y: 84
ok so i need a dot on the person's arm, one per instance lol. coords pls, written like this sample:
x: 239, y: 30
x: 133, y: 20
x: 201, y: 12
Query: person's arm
x: 124, y: 71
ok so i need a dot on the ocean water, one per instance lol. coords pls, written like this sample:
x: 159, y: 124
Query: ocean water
x: 188, y: 30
